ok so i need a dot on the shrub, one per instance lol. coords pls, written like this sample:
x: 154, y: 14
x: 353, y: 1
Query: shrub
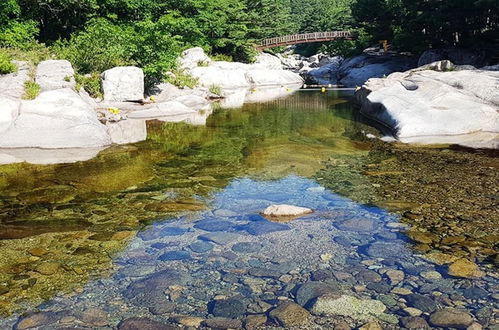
x: 34, y: 54
x: 31, y: 90
x: 19, y: 35
x: 222, y: 57
x: 181, y: 79
x: 6, y: 65
x: 215, y: 89
x: 91, y: 83
x: 101, y: 46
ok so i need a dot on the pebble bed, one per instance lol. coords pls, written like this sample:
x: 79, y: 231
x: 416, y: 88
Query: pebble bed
x: 228, y: 267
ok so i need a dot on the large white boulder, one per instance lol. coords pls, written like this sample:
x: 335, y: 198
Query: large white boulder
x: 192, y: 57
x: 267, y: 71
x: 12, y: 84
x: 55, y: 74
x: 124, y: 83
x: 55, y: 119
x: 426, y: 106
x: 225, y: 78
x: 268, y: 61
x: 9, y: 110
x: 263, y: 77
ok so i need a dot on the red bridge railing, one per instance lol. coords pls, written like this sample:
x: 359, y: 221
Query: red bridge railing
x: 304, y: 38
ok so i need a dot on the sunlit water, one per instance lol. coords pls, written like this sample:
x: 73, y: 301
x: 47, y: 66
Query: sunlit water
x: 171, y: 226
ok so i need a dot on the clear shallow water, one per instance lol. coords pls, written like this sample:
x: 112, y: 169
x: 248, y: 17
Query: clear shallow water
x: 77, y: 229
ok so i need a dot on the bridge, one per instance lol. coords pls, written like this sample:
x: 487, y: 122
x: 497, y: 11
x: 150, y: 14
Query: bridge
x: 304, y: 38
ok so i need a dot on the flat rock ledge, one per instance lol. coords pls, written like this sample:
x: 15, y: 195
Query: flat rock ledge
x: 435, y: 104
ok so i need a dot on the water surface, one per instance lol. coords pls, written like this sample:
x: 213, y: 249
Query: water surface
x: 171, y: 225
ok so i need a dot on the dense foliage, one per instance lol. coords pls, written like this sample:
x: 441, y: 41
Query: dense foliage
x: 98, y: 34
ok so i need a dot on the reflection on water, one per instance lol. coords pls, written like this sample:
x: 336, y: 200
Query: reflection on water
x: 104, y: 219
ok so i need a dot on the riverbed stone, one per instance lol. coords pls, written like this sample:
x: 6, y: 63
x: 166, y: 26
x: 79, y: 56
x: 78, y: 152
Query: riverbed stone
x: 357, y: 225
x: 451, y: 318
x: 48, y: 268
x: 345, y: 305
x: 95, y: 317
x: 175, y: 255
x: 201, y: 246
x: 36, y: 320
x: 395, y: 276
x: 255, y: 321
x: 313, y: 289
x: 223, y: 323
x: 172, y: 231
x: 475, y: 293
x: 228, y: 308
x: 188, y: 321
x: 386, y: 250
x: 289, y: 314
x: 414, y: 322
x: 421, y: 302
x: 258, y: 228
x: 214, y: 225
x: 137, y: 323
x: 368, y: 276
x: 431, y: 275
x: 155, y: 284
x: 247, y: 247
x: 220, y: 238
x: 465, y: 268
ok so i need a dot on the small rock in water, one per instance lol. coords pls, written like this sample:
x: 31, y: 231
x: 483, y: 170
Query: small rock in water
x: 386, y: 250
x: 451, y: 318
x: 247, y: 247
x: 414, y: 322
x: 313, y: 289
x: 223, y: 323
x: 431, y: 275
x: 395, y: 276
x: 137, y: 323
x: 288, y: 314
x: 229, y: 308
x: 214, y: 225
x: 95, y: 317
x: 172, y: 231
x: 284, y: 210
x: 357, y: 225
x: 188, y: 321
x: 344, y: 305
x: 48, y: 268
x: 411, y: 311
x: 255, y: 321
x: 201, y: 246
x: 475, y: 293
x: 258, y: 228
x: 465, y: 268
x: 35, y: 320
x: 421, y: 302
x: 220, y: 238
x: 371, y: 326
x: 175, y: 255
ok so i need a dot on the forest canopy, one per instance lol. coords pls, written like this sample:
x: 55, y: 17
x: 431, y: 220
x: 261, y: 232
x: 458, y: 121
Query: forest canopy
x: 98, y: 34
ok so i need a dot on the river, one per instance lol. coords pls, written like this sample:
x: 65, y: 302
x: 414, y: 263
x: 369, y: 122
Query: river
x: 168, y: 230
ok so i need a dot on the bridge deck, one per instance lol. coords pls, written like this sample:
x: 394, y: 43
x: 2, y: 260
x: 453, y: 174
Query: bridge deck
x: 304, y: 38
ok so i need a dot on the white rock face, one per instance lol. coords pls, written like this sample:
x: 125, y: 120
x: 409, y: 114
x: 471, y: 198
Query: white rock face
x: 55, y: 74
x: 268, y: 61
x: 230, y: 75
x: 171, y: 108
x: 284, y: 210
x: 125, y: 83
x: 12, y: 84
x: 55, y: 119
x: 427, y: 106
x: 9, y: 110
x: 225, y: 78
x: 192, y: 57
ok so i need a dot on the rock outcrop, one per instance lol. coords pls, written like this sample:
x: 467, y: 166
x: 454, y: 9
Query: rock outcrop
x: 12, y: 84
x: 55, y: 74
x: 458, y: 56
x: 427, y: 106
x: 267, y: 71
x: 55, y: 119
x: 123, y: 84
